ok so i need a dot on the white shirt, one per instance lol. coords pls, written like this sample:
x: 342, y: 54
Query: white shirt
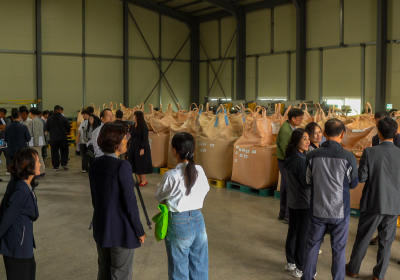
x: 172, y: 189
x: 82, y: 129
x: 97, y: 151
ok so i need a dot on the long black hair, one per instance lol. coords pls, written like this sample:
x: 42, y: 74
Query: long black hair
x: 96, y: 123
x: 139, y: 119
x: 294, y: 141
x: 310, y: 127
x: 183, y: 143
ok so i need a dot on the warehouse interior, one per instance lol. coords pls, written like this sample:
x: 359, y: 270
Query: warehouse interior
x: 77, y: 53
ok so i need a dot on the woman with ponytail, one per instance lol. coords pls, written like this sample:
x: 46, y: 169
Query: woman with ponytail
x: 183, y: 190
x: 298, y: 200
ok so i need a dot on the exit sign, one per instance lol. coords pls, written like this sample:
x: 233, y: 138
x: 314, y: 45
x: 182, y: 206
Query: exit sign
x: 389, y: 106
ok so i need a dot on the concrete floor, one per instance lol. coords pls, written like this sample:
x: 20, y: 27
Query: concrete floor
x: 246, y: 240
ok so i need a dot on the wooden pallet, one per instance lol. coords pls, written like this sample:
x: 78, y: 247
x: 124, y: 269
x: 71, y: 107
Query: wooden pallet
x: 163, y: 170
x: 217, y: 183
x: 233, y: 186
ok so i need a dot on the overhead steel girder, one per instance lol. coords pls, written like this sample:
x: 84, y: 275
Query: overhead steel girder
x: 147, y: 4
x: 223, y: 4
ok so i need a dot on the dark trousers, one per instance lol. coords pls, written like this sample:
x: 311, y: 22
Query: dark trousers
x: 44, y: 151
x: 83, y: 149
x: 297, y: 236
x: 62, y: 146
x: 20, y: 269
x: 6, y: 153
x: 115, y: 263
x: 316, y: 233
x: 284, y: 209
x: 387, y: 225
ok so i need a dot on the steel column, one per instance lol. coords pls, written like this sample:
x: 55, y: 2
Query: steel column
x: 321, y: 73
x: 241, y: 55
x: 301, y: 50
x: 219, y: 38
x: 289, y: 74
x: 381, y: 56
x: 126, y: 52
x: 39, y: 77
x: 159, y: 56
x: 233, y: 79
x: 83, y: 52
x: 362, y: 77
x: 272, y: 29
x: 257, y: 73
x: 194, y: 64
x: 341, y: 17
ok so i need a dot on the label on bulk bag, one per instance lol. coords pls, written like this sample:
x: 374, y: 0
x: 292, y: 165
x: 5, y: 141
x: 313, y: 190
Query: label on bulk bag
x: 245, y: 156
x: 237, y: 147
x: 359, y: 130
x: 275, y: 127
x: 254, y: 151
x: 240, y: 150
x: 211, y: 145
x: 241, y: 155
x: 247, y: 151
x: 236, y: 151
x: 235, y: 160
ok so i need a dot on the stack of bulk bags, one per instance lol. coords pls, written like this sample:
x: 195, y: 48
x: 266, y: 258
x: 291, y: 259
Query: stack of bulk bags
x: 215, y: 138
x: 188, y: 126
x: 359, y: 133
x: 307, y: 117
x: 159, y: 137
x: 255, y: 161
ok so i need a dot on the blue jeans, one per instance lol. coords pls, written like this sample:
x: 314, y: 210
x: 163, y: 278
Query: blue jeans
x: 187, y: 246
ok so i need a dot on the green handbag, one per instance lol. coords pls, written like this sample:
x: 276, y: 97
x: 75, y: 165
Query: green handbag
x: 161, y: 221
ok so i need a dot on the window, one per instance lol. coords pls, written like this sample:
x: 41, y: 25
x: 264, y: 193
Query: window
x: 354, y: 103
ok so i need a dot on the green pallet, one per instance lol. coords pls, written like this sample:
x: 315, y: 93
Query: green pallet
x: 72, y: 119
x: 77, y: 153
x: 277, y: 195
x: 156, y: 170
x: 72, y: 141
x: 355, y: 212
x: 233, y: 186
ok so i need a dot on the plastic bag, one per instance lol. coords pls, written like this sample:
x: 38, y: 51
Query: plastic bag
x: 161, y: 221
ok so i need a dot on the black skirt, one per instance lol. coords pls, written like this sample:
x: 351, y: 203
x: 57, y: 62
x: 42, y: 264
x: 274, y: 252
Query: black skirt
x: 140, y: 140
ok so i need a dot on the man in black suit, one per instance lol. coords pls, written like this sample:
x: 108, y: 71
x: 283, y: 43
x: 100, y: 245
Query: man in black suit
x: 17, y: 135
x: 375, y: 142
x: 380, y: 201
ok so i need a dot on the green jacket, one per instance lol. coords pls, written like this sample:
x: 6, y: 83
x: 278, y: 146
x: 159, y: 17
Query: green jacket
x: 285, y: 132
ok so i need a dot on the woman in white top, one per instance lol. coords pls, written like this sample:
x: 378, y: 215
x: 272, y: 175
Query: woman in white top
x: 183, y: 190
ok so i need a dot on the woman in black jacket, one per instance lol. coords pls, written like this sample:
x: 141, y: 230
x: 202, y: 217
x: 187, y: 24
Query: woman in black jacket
x: 139, y: 151
x: 117, y: 229
x: 18, y: 211
x: 298, y: 200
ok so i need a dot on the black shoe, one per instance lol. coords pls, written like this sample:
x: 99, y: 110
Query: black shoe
x: 1, y: 180
x: 281, y: 217
x: 56, y: 169
x: 286, y: 221
x: 65, y: 167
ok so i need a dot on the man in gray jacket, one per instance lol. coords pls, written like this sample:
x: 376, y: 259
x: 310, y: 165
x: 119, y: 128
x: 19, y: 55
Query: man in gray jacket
x: 380, y: 201
x: 37, y: 141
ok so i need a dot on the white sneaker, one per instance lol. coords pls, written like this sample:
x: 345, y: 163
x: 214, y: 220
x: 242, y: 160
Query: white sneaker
x: 297, y: 273
x: 8, y: 173
x: 290, y: 267
x: 320, y: 252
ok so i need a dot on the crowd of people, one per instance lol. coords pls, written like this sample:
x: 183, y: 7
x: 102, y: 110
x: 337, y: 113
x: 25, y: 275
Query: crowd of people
x: 317, y: 175
x: 117, y: 230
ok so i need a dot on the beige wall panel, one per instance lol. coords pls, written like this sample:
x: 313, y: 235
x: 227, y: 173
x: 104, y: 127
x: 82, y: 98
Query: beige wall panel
x: 228, y: 28
x: 209, y: 38
x: 225, y: 78
x: 393, y: 76
x: 148, y: 24
x: 370, y: 75
x: 342, y: 73
x: 179, y: 78
x: 17, y: 21
x: 393, y: 19
x: 143, y: 76
x: 273, y: 76
x: 250, y: 78
x: 323, y: 23
x: 285, y: 28
x: 17, y: 76
x: 63, y: 83
x: 173, y: 35
x: 258, y: 32
x: 62, y: 26
x: 359, y: 21
x: 104, y: 27
x: 203, y: 82
x: 104, y: 80
x: 312, y: 78
x: 293, y: 76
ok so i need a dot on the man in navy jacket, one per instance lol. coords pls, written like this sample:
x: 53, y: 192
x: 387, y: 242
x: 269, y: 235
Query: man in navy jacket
x: 17, y: 135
